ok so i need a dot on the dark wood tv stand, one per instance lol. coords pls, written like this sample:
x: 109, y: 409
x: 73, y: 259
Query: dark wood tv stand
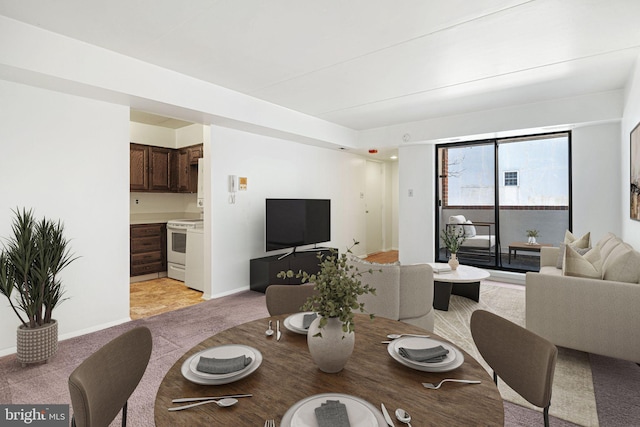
x: 263, y: 271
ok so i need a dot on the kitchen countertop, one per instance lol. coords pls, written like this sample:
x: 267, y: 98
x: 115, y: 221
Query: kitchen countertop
x: 160, y: 217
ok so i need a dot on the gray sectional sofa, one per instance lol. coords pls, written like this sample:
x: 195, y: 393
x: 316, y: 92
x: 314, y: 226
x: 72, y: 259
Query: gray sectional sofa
x: 598, y: 315
x: 403, y: 292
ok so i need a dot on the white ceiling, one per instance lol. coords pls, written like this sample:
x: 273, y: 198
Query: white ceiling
x: 367, y: 63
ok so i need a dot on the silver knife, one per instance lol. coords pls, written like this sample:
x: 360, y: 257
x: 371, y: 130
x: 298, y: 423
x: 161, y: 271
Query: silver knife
x: 278, y: 333
x: 386, y: 416
x: 198, y: 399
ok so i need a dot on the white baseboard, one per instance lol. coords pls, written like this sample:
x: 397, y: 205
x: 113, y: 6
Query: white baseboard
x: 206, y: 296
x: 13, y: 350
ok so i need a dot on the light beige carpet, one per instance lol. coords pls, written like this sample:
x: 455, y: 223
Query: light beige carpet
x: 573, y: 397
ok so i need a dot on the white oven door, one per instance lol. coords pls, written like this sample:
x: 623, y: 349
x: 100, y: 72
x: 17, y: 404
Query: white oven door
x: 176, y: 245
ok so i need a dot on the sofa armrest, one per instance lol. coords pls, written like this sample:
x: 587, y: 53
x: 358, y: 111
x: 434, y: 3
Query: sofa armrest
x: 549, y: 256
x: 591, y: 315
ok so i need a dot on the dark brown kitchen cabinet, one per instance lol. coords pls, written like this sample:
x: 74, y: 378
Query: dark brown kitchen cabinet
x: 139, y: 167
x: 184, y: 170
x: 167, y: 170
x: 195, y: 153
x: 160, y: 169
x: 148, y: 248
x: 188, y: 168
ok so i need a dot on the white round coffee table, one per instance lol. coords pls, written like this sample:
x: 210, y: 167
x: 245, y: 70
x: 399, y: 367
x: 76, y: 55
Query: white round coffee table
x: 464, y: 281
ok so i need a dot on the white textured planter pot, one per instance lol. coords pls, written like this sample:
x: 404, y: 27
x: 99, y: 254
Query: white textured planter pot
x: 331, y: 351
x: 38, y: 344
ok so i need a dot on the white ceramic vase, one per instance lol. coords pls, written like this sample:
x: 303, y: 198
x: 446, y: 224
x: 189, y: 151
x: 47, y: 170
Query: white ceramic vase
x: 453, y: 262
x: 532, y: 240
x: 331, y: 351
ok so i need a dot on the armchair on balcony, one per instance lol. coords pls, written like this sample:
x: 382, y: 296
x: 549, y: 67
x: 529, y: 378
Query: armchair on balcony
x: 480, y: 237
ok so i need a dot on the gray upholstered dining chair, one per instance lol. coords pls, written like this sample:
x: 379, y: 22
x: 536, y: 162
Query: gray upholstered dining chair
x: 524, y: 360
x: 101, y: 385
x: 283, y: 299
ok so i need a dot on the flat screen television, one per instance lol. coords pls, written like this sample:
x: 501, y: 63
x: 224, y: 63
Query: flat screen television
x: 297, y: 222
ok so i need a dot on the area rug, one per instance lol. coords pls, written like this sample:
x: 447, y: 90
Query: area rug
x: 173, y: 333
x: 573, y: 396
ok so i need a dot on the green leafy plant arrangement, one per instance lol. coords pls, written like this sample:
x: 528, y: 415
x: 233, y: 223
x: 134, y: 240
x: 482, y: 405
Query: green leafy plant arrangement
x: 30, y: 262
x: 337, y: 286
x: 532, y: 233
x: 453, y: 237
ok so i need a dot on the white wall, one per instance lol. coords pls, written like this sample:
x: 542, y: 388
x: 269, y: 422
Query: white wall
x: 163, y: 203
x: 394, y: 195
x: 191, y: 135
x: 417, y: 214
x: 630, y: 228
x: 596, y: 176
x: 278, y: 169
x: 142, y: 133
x: 67, y: 158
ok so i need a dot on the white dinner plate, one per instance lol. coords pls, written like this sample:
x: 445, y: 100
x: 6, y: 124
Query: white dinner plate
x: 361, y: 413
x: 422, y: 342
x: 295, y: 321
x: 454, y: 359
x: 255, y: 364
x: 222, y: 352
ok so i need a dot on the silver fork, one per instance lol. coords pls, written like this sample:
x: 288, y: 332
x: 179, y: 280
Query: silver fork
x: 437, y: 386
x: 270, y: 423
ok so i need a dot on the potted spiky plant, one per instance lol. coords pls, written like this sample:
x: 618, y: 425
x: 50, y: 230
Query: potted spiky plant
x: 30, y: 263
x: 331, y: 335
x: 453, y: 238
x: 531, y: 236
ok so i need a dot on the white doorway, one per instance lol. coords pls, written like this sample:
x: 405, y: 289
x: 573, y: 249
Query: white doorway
x: 374, y: 190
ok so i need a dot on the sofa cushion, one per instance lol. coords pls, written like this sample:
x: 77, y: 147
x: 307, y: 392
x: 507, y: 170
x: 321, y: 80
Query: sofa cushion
x: 603, y: 241
x: 457, y: 219
x: 582, y: 242
x: 607, y: 245
x: 622, y: 265
x: 479, y: 241
x: 469, y: 230
x: 587, y: 265
x: 560, y: 261
x: 551, y: 270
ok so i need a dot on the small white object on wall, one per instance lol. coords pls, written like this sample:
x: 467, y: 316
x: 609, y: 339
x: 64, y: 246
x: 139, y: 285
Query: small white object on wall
x: 233, y: 187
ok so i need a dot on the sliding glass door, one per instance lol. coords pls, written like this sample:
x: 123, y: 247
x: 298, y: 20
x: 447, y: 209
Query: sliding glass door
x: 510, y: 196
x: 467, y: 196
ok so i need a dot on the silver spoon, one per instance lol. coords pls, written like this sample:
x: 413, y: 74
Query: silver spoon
x: 403, y: 416
x: 269, y: 331
x: 229, y: 401
x: 396, y: 336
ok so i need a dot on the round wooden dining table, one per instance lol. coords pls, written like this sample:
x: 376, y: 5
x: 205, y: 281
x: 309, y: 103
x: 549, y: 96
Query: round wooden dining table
x: 288, y: 374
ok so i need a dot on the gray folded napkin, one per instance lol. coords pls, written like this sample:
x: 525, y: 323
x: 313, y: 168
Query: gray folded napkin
x: 307, y: 319
x: 425, y: 355
x: 211, y: 365
x: 332, y: 414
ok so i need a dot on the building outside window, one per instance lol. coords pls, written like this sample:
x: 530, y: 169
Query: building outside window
x: 511, y: 179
